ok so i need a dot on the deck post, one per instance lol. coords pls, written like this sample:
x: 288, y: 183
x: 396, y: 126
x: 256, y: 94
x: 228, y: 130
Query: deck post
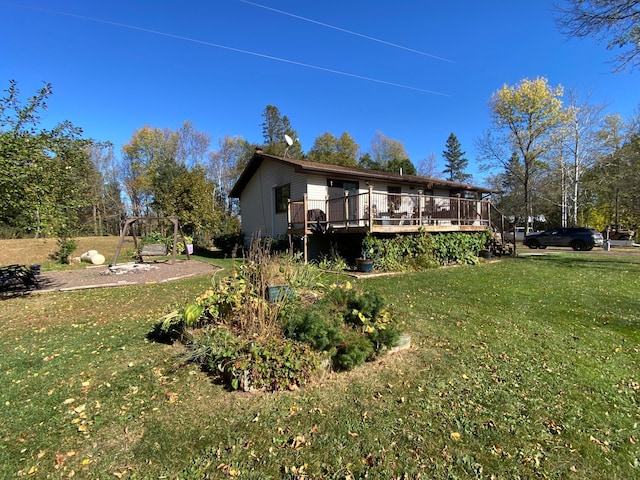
x: 327, y: 204
x: 305, y: 207
x: 346, y: 209
x: 305, y: 247
x: 371, y: 212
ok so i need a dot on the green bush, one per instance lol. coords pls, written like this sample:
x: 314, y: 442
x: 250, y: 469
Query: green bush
x: 363, y: 308
x: 229, y: 243
x: 354, y: 350
x: 424, y: 250
x: 319, y: 329
x: 249, y: 343
x: 456, y: 247
x: 335, y: 322
x: 333, y: 261
x: 262, y: 364
x: 66, y: 247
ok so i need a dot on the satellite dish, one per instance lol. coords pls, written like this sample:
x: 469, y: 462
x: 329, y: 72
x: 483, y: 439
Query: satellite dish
x: 288, y: 139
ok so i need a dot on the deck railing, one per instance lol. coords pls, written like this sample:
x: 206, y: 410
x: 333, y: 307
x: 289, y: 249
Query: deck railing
x: 382, y: 211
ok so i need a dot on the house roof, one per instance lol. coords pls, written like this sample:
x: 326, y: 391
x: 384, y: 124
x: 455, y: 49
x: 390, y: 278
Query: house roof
x: 304, y: 166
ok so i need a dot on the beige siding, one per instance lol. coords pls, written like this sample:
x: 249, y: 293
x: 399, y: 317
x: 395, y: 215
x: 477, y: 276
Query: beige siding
x: 316, y: 188
x: 257, y: 203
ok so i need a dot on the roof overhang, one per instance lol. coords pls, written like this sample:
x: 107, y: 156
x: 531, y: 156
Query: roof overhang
x: 304, y: 166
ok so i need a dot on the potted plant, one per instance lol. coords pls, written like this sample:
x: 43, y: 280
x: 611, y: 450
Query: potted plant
x: 277, y: 275
x: 365, y: 262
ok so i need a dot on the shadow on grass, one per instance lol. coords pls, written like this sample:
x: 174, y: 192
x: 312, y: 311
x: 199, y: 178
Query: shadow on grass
x: 212, y: 254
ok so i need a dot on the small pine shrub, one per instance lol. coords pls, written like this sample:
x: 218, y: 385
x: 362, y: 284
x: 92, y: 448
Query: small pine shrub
x: 354, y: 350
x: 363, y: 308
x: 319, y: 329
x: 66, y: 247
x: 338, y: 319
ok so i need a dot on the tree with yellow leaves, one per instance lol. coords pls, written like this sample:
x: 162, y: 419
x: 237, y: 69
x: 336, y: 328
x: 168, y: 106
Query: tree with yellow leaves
x: 524, y: 117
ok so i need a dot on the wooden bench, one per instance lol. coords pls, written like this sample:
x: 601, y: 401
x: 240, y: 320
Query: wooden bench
x: 153, y: 250
x: 14, y: 276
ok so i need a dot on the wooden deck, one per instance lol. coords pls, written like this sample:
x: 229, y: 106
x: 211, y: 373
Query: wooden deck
x: 401, y: 213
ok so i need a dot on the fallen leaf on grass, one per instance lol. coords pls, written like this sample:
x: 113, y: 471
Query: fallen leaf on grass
x: 455, y: 436
x: 298, y: 442
x: 229, y: 470
x: 172, y: 397
x: 604, y: 445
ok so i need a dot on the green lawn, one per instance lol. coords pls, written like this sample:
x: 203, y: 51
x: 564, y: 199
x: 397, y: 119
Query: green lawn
x: 521, y: 368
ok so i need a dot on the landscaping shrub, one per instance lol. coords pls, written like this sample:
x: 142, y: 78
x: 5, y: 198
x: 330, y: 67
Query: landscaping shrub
x: 333, y: 261
x: 424, y: 250
x: 367, y: 312
x: 321, y: 330
x: 458, y: 247
x: 262, y: 363
x: 66, y: 247
x: 354, y: 350
x: 229, y: 243
x: 351, y: 326
x: 234, y: 332
x: 277, y: 364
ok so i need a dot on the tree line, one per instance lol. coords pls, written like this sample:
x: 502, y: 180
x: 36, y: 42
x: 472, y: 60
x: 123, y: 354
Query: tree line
x: 561, y: 162
x: 57, y: 183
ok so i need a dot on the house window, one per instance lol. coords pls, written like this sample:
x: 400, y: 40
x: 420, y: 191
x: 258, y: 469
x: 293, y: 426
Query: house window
x: 346, y: 185
x: 283, y: 194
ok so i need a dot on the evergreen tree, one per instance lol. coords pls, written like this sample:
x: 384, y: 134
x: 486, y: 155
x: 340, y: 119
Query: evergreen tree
x: 367, y: 161
x: 455, y: 163
x: 274, y: 128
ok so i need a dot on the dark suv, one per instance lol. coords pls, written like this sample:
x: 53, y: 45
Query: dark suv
x: 578, y: 238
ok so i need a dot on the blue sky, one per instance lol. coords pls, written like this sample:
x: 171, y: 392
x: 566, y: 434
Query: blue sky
x: 417, y: 71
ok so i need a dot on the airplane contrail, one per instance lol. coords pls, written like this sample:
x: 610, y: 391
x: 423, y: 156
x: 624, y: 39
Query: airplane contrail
x: 350, y: 32
x: 233, y: 49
